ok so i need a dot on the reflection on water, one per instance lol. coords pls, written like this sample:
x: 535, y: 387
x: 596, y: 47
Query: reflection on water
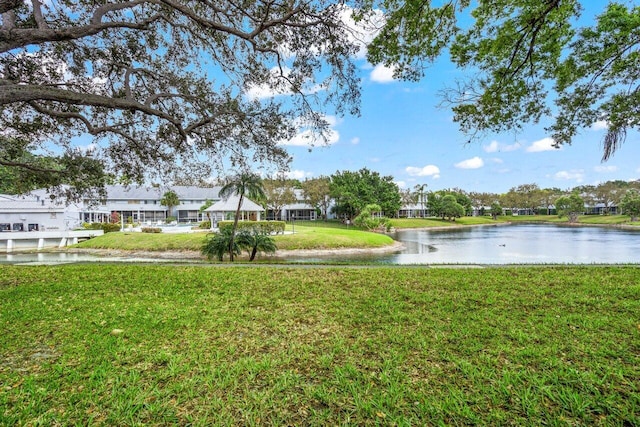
x: 515, y: 244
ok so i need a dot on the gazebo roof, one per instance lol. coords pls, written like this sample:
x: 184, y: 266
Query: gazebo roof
x: 231, y: 204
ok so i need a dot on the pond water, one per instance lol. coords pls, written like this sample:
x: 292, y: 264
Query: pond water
x: 512, y: 244
x: 508, y: 244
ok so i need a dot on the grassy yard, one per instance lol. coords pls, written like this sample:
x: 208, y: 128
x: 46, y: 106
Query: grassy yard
x: 159, y: 345
x: 437, y: 222
x: 305, y: 237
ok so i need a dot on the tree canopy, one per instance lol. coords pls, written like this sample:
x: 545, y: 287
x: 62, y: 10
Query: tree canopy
x: 529, y: 61
x: 353, y: 191
x: 571, y: 206
x: 160, y: 83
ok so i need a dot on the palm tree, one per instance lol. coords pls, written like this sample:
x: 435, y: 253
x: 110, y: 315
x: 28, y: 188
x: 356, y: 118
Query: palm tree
x: 170, y: 199
x: 255, y: 241
x: 217, y: 244
x: 244, y: 184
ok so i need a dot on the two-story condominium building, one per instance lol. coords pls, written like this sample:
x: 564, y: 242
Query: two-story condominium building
x: 131, y: 204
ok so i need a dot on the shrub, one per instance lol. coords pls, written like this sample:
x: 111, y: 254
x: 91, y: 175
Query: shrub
x: 92, y: 225
x: 104, y: 226
x: 205, y: 224
x: 263, y: 227
x: 151, y: 230
x: 216, y: 245
x: 109, y: 228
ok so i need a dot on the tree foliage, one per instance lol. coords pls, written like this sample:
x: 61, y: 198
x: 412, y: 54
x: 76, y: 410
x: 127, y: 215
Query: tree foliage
x: 317, y: 193
x: 216, y: 245
x: 254, y: 241
x: 496, y: 210
x: 450, y: 208
x: 353, y: 191
x: 156, y: 84
x: 68, y: 174
x: 170, y: 199
x: 436, y: 203
x: 370, y: 219
x: 570, y: 206
x: 630, y: 204
x: 278, y: 193
x: 530, y: 62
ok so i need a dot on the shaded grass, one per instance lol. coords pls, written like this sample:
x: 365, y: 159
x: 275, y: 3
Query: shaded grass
x: 280, y: 346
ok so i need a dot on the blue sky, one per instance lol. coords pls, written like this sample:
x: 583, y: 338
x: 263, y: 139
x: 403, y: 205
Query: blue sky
x: 402, y: 132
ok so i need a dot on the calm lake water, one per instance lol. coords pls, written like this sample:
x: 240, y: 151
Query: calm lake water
x: 514, y: 244
x: 508, y: 244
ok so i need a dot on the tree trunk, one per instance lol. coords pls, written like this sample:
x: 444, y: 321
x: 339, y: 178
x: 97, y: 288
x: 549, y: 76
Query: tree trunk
x: 235, y: 227
x: 253, y: 253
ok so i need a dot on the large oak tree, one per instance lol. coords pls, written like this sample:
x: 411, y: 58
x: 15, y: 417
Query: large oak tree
x: 160, y: 84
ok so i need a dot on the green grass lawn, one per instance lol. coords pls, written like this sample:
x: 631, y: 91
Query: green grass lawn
x: 319, y: 237
x: 195, y: 345
x: 400, y: 223
x: 305, y: 237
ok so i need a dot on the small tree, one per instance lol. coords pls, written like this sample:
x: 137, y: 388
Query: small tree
x: 244, y: 184
x: 367, y: 219
x: 207, y: 204
x: 278, y: 193
x: 115, y: 217
x: 450, y: 208
x: 496, y: 210
x: 630, y: 204
x: 317, y: 193
x: 170, y: 199
x: 571, y: 206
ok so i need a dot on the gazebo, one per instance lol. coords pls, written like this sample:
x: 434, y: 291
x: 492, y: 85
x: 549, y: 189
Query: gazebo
x: 249, y: 210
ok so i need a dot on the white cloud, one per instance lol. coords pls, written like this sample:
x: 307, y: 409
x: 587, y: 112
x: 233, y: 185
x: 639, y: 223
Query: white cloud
x: 298, y: 174
x: 279, y: 86
x: 355, y: 141
x: 382, y: 74
x: 600, y: 125
x: 576, y: 175
x: 605, y: 169
x: 497, y: 160
x: 307, y: 138
x: 401, y: 184
x: 429, y: 170
x: 544, y: 144
x: 473, y: 163
x: 495, y: 146
x: 364, y: 31
x: 268, y: 91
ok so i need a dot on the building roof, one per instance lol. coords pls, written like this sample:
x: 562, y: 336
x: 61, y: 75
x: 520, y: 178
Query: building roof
x: 231, y: 204
x: 120, y: 192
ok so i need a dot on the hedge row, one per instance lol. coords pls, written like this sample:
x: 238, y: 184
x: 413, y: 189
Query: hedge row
x: 107, y: 227
x: 265, y: 227
x: 151, y: 230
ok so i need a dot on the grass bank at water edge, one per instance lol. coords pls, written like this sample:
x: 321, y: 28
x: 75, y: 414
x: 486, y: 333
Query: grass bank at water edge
x: 160, y: 345
x: 305, y: 237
